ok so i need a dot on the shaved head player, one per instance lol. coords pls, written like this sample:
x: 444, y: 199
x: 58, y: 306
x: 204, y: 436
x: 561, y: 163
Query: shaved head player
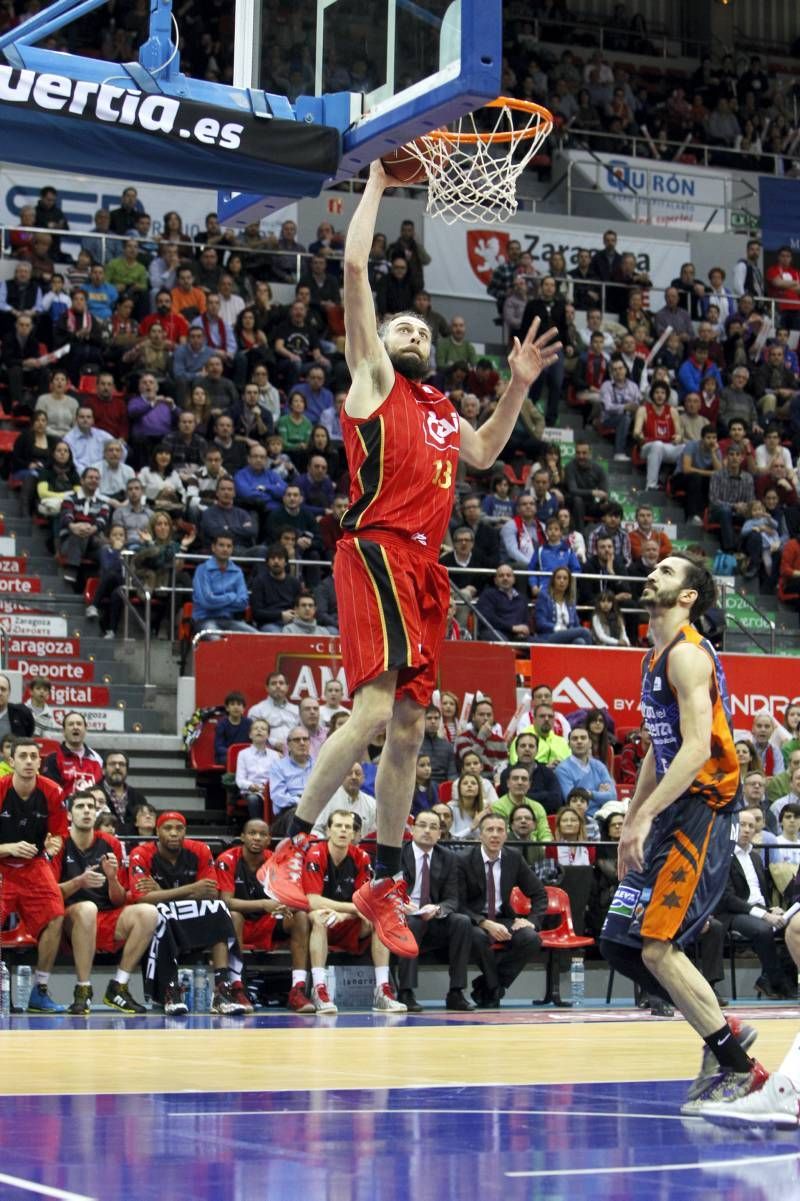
x: 403, y: 439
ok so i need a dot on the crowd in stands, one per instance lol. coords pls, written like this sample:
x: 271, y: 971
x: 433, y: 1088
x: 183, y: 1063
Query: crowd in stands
x: 191, y: 416
x: 702, y: 393
x: 554, y: 786
x: 730, y: 102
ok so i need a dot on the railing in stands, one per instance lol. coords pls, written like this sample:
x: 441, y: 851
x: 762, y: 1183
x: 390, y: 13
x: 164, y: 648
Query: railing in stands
x: 173, y: 591
x: 601, y: 286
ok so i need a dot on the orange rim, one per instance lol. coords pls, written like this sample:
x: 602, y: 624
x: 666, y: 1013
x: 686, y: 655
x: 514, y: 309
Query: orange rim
x: 502, y: 136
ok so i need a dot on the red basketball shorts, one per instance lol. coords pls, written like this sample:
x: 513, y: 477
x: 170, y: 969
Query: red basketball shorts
x: 106, y: 925
x: 392, y: 614
x: 262, y: 932
x: 346, y: 936
x: 32, y: 892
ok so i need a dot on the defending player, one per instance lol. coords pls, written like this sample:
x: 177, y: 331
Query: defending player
x: 403, y: 439
x: 677, y: 839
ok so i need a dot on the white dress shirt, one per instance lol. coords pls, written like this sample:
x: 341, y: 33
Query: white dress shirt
x: 756, y: 901
x: 419, y: 854
x: 495, y: 863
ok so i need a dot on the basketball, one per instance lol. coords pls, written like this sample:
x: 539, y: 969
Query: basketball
x: 404, y: 166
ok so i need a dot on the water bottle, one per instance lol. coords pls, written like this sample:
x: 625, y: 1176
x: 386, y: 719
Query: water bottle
x: 202, y: 997
x: 23, y: 985
x: 185, y: 985
x: 577, y: 979
x: 5, y: 991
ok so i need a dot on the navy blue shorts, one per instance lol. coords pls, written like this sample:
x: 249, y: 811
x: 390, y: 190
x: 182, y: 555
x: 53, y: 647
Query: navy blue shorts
x: 687, y: 860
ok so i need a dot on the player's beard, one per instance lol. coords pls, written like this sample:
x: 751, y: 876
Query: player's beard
x: 410, y: 365
x: 664, y: 598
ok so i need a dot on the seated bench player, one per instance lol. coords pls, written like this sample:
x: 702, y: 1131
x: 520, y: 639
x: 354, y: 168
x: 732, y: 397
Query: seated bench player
x: 177, y: 875
x: 33, y: 826
x: 259, y: 921
x: 93, y: 882
x: 332, y: 871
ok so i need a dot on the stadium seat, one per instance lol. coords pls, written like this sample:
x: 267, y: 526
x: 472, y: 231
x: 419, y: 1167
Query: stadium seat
x: 201, y: 755
x: 561, y: 938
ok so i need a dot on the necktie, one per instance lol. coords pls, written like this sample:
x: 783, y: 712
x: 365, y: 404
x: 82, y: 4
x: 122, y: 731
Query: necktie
x: 491, y: 896
x: 425, y: 882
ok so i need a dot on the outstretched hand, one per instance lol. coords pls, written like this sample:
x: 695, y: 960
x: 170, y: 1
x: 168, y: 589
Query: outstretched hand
x: 529, y: 358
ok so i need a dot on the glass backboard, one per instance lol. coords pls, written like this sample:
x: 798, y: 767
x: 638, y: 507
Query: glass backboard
x: 381, y: 71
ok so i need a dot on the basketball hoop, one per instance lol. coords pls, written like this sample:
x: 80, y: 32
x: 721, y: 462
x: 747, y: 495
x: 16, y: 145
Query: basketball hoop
x: 472, y: 174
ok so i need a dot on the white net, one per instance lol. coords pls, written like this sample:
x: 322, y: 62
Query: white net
x: 472, y: 171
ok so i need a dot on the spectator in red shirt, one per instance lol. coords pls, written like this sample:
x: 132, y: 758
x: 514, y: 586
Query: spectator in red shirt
x: 174, y: 325
x: 783, y: 283
x: 644, y: 531
x: 74, y: 765
x: 656, y: 434
x: 109, y: 406
x: 33, y: 826
x: 93, y: 879
x: 482, y: 381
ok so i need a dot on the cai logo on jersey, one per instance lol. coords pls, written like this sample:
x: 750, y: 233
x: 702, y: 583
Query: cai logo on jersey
x: 578, y: 693
x: 441, y: 432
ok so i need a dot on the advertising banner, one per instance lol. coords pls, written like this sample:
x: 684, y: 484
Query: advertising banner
x: 56, y: 672
x: 54, y: 647
x: 77, y: 696
x: 81, y: 195
x: 463, y: 257
x: 96, y: 720
x: 309, y: 663
x: 586, y: 678
x: 34, y: 625
x: 664, y: 194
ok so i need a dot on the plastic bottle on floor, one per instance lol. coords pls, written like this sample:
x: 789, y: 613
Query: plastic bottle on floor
x: 5, y: 991
x: 23, y: 983
x: 577, y: 979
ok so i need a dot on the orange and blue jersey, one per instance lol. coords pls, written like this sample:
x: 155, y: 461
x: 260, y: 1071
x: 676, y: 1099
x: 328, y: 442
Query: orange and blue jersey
x: 717, y: 782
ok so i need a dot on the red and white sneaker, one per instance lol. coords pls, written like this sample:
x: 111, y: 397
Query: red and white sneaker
x: 240, y: 995
x: 384, y: 1000
x: 299, y: 1000
x: 321, y: 1000
x: 382, y: 902
x: 282, y: 874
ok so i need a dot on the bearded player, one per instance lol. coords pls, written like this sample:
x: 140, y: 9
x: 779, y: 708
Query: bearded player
x: 403, y: 439
x: 678, y: 836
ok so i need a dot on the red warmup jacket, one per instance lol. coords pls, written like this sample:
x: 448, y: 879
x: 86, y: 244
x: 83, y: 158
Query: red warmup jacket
x: 790, y: 561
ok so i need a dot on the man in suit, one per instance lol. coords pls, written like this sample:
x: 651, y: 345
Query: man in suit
x: 502, y: 942
x: 431, y: 874
x: 14, y: 719
x: 745, y: 906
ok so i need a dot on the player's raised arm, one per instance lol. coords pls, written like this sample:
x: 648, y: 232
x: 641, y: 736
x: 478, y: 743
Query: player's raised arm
x: 528, y: 359
x: 363, y: 348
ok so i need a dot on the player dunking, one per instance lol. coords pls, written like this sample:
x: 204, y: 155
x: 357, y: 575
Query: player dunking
x: 403, y: 439
x: 677, y: 839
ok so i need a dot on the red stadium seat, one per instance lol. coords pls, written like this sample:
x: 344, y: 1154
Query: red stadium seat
x: 201, y: 755
x: 561, y: 938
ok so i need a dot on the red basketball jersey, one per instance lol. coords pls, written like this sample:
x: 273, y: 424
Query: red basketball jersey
x: 402, y: 462
x: 658, y: 427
